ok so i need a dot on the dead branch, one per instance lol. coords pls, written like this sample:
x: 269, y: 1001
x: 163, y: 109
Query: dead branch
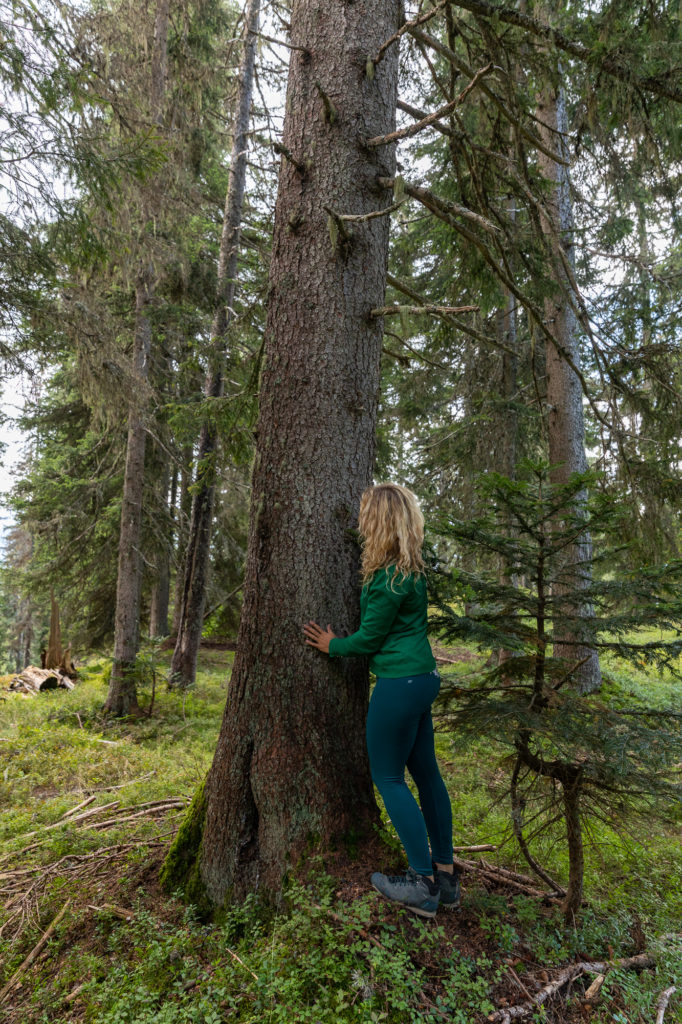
x: 662, y: 1003
x: 464, y: 69
x: 366, y: 216
x: 33, y: 954
x: 430, y: 119
x: 406, y: 27
x: 111, y: 908
x: 566, y: 974
x: 443, y: 208
x: 501, y: 876
x: 413, y: 310
x: 420, y: 115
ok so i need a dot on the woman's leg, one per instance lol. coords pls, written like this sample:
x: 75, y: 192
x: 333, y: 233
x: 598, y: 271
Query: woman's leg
x: 393, y: 724
x: 433, y: 795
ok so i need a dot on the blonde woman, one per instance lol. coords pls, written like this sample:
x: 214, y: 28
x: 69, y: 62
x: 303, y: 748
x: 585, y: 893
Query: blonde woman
x: 393, y: 633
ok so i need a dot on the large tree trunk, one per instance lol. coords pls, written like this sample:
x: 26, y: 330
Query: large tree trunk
x: 184, y: 661
x: 564, y: 392
x: 291, y: 765
x: 122, y: 696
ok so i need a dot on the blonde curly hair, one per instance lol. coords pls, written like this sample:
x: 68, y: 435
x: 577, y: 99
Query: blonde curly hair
x: 392, y: 526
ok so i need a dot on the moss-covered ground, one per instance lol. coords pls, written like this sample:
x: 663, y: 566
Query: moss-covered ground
x: 126, y: 952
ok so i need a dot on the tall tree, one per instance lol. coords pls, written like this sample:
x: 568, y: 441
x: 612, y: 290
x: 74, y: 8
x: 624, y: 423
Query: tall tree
x: 290, y: 761
x: 122, y: 696
x: 564, y: 395
x: 193, y: 596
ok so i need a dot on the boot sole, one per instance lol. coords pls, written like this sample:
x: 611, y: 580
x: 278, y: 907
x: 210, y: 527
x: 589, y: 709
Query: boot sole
x: 406, y: 906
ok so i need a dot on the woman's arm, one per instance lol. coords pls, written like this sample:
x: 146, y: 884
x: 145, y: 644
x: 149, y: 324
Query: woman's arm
x: 380, y: 612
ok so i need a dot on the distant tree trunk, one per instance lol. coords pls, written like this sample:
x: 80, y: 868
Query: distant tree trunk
x: 184, y: 662
x: 122, y: 695
x: 291, y: 764
x: 183, y: 510
x: 158, y: 612
x: 564, y: 391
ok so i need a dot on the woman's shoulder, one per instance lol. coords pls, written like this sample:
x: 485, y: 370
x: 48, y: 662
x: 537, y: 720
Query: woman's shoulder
x: 393, y: 578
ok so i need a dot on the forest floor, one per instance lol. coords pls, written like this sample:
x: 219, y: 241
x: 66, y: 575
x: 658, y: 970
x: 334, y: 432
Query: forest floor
x: 88, y: 809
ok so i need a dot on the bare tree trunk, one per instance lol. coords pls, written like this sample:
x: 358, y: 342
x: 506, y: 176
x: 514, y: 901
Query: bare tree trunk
x: 158, y: 612
x: 122, y: 696
x: 182, y: 516
x: 564, y: 392
x: 574, y: 836
x: 184, y: 661
x: 291, y: 764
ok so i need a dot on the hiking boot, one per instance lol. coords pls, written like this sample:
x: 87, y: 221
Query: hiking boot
x: 450, y: 895
x: 412, y: 891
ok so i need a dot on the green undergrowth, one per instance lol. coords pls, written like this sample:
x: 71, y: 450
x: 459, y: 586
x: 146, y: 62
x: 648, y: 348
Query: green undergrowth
x: 333, y: 951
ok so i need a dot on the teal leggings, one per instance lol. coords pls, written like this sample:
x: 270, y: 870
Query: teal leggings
x: 399, y: 735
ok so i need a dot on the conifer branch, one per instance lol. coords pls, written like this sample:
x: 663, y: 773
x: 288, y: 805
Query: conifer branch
x: 429, y: 309
x: 331, y: 114
x: 282, y: 150
x: 406, y: 27
x: 369, y: 216
x: 612, y: 65
x: 419, y: 115
x: 282, y: 42
x: 464, y: 69
x: 430, y: 119
x: 443, y: 208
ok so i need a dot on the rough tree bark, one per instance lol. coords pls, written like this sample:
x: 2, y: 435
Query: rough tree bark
x: 158, y: 612
x: 122, y: 696
x: 193, y: 596
x: 290, y: 764
x: 566, y: 426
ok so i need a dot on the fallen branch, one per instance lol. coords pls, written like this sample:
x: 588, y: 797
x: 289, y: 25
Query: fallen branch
x: 481, y: 848
x: 111, y: 908
x: 70, y: 821
x: 504, y: 877
x: 33, y: 954
x: 504, y: 1016
x: 80, y: 806
x: 662, y: 1003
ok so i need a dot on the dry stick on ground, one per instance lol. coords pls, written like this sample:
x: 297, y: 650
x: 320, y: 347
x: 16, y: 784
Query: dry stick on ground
x: 505, y: 1016
x: 504, y: 877
x: 80, y: 806
x: 111, y: 908
x: 33, y: 954
x: 662, y: 1003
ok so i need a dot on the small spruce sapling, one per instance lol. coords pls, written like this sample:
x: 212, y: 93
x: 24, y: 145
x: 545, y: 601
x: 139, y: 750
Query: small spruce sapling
x: 575, y: 757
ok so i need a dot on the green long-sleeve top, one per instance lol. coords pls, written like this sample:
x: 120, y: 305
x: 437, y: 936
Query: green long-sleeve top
x: 393, y: 626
